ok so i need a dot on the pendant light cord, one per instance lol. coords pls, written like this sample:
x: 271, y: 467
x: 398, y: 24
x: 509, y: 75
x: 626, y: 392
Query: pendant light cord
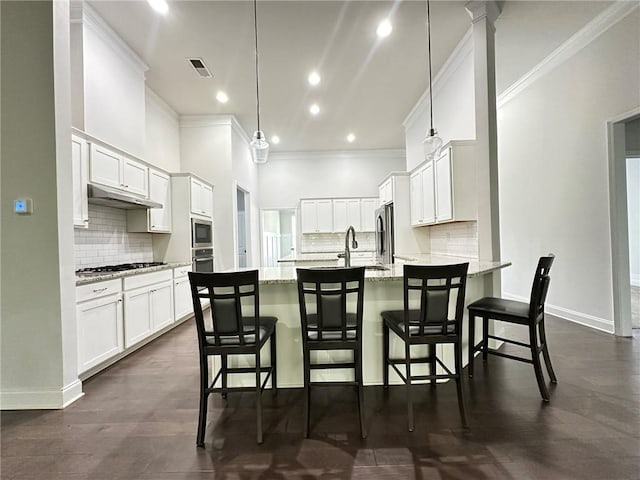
x: 429, y: 57
x: 255, y: 29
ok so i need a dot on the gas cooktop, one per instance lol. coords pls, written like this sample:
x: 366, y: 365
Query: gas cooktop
x: 123, y: 267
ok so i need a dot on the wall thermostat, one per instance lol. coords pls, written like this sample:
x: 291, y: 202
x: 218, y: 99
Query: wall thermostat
x: 23, y: 206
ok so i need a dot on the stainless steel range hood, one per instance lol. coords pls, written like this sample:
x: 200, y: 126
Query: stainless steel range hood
x: 114, y: 198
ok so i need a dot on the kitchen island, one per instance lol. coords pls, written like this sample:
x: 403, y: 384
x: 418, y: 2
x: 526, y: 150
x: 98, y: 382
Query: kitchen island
x: 382, y: 291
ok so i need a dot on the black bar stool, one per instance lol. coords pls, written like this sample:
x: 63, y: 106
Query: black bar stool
x: 237, y: 329
x: 429, y: 324
x: 529, y: 314
x: 329, y: 320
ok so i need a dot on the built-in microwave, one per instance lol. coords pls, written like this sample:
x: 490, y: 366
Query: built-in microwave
x: 201, y: 233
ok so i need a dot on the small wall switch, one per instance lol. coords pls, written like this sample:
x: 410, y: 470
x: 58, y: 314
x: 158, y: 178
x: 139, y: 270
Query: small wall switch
x: 23, y: 206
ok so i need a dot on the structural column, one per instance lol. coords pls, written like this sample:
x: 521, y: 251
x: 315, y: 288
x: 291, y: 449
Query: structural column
x: 483, y: 15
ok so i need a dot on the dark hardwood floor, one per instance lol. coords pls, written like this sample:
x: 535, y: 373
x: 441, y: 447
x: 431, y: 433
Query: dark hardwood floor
x: 138, y: 420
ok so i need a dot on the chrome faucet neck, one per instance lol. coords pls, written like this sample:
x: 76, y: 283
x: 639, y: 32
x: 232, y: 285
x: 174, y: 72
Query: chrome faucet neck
x: 347, y: 251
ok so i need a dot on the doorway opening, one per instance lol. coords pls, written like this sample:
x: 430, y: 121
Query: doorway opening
x: 624, y: 147
x: 242, y: 225
x: 278, y: 235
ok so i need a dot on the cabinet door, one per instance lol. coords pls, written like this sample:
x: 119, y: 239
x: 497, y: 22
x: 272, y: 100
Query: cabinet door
x: 353, y: 213
x: 135, y: 177
x: 104, y: 167
x: 207, y: 200
x: 99, y: 330
x: 415, y: 193
x: 196, y: 197
x: 161, y: 300
x: 428, y: 194
x: 340, y: 221
x: 160, y: 191
x: 325, y: 216
x: 137, y: 318
x: 308, y: 216
x: 79, y: 155
x: 183, y: 304
x: 367, y: 214
x: 444, y: 204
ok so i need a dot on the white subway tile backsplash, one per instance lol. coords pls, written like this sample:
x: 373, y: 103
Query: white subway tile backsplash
x: 334, y: 242
x: 458, y: 238
x: 107, y: 241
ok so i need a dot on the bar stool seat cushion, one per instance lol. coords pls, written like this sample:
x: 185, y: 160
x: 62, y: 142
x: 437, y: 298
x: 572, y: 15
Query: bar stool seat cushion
x: 395, y: 320
x: 518, y: 312
x: 267, y: 325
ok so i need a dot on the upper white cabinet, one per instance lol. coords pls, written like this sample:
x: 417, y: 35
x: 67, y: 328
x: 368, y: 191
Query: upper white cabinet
x: 346, y: 213
x: 154, y: 220
x: 386, y: 191
x: 317, y: 216
x: 201, y: 198
x: 79, y: 160
x: 444, y: 189
x: 368, y: 208
x: 111, y: 169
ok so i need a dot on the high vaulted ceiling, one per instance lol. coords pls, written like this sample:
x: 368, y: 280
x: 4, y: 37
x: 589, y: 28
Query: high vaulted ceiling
x: 368, y: 85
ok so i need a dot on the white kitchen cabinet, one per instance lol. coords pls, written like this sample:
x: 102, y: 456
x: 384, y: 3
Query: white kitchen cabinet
x: 111, y: 169
x: 446, y: 186
x: 317, y: 216
x: 148, y: 305
x: 201, y: 198
x: 155, y: 220
x: 182, y: 302
x: 386, y: 191
x: 99, y: 323
x: 79, y: 160
x: 346, y: 212
x: 368, y: 208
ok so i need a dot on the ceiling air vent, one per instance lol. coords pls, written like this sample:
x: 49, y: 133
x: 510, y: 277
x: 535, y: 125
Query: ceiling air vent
x: 200, y: 68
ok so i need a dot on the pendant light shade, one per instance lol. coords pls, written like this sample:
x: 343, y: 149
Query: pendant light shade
x: 432, y: 142
x: 259, y: 145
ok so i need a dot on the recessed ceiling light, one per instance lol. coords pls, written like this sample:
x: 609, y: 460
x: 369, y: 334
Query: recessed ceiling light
x: 351, y: 137
x: 314, y: 78
x: 384, y: 28
x: 275, y: 139
x: 314, y: 109
x: 222, y: 97
x: 159, y: 6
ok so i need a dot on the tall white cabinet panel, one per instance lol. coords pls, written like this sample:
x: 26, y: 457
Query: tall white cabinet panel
x: 160, y: 191
x: 368, y: 208
x: 100, y: 334
x: 79, y: 160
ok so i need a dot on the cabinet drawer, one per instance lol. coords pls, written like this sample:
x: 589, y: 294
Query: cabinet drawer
x: 98, y: 289
x: 144, y: 279
x: 181, y: 271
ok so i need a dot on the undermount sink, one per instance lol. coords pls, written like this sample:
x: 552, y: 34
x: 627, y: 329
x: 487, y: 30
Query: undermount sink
x: 375, y: 267
x: 366, y: 267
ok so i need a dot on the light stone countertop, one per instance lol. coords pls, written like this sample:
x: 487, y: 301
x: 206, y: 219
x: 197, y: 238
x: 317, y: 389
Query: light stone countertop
x: 319, y: 256
x: 88, y: 279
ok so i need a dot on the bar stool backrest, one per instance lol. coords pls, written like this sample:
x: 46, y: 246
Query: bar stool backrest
x: 434, y: 286
x: 331, y: 303
x: 233, y: 298
x: 540, y: 286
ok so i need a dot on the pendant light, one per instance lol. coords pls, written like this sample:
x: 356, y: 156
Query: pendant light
x: 259, y: 145
x: 432, y: 142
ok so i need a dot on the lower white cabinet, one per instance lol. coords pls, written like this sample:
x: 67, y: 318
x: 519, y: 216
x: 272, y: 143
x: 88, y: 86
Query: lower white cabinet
x: 183, y: 304
x: 99, y: 323
x: 148, y: 305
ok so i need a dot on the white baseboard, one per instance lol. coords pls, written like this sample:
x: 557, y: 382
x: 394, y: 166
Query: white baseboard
x: 585, y: 319
x: 41, y: 399
x: 635, y: 280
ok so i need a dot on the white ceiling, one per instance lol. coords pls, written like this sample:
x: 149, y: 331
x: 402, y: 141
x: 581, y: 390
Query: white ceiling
x: 368, y: 85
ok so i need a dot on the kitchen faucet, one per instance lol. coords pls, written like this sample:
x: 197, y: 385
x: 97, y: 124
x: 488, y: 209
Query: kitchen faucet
x: 354, y: 244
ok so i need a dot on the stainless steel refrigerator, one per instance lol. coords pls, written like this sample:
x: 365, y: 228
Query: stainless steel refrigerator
x: 384, y: 234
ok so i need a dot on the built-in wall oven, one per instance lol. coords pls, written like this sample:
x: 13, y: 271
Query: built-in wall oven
x: 202, y: 260
x: 201, y: 233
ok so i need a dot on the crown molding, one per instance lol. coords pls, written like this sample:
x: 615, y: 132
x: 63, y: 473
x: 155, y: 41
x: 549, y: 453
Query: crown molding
x: 343, y: 154
x: 568, y: 49
x: 463, y: 50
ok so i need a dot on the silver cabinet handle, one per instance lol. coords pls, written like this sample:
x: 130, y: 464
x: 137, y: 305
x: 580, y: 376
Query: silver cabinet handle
x: 98, y: 290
